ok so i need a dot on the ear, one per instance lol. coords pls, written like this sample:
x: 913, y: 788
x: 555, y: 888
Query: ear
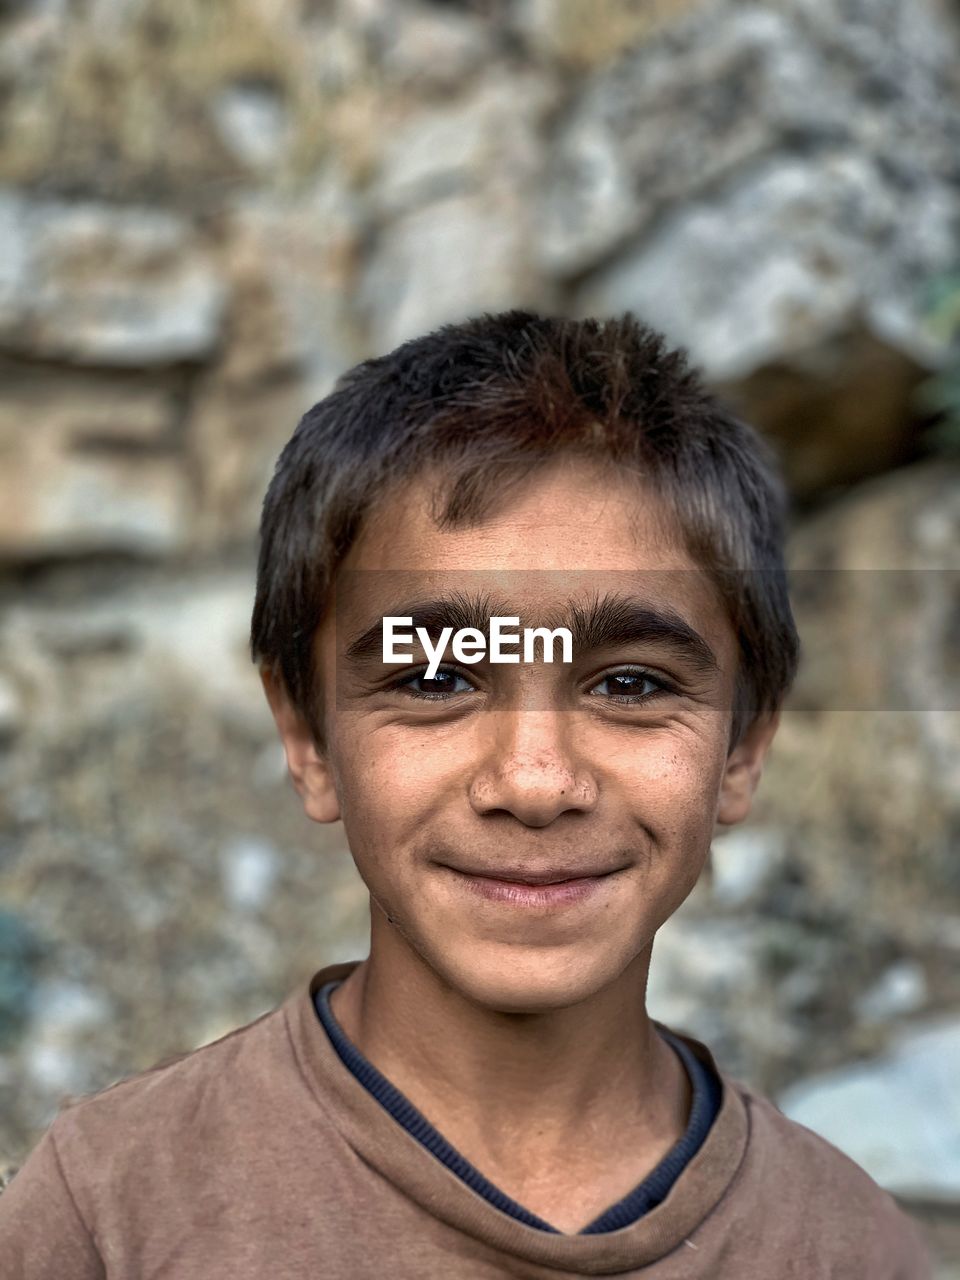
x: 309, y: 769
x: 742, y: 772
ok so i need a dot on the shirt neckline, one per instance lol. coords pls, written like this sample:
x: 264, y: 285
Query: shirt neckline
x: 646, y: 1195
x: 345, y: 1111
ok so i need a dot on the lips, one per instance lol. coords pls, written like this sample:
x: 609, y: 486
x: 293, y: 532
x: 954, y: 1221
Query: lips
x: 528, y: 875
x: 544, y: 890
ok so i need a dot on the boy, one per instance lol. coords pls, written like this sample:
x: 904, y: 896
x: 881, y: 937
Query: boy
x: 485, y: 1094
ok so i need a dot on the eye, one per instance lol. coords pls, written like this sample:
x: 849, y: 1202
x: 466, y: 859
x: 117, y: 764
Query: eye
x: 445, y: 683
x: 626, y: 686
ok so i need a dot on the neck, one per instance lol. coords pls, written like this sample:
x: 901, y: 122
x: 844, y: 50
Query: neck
x: 571, y: 1084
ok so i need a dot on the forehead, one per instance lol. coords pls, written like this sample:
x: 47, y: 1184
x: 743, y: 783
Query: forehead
x: 571, y: 528
x: 568, y: 514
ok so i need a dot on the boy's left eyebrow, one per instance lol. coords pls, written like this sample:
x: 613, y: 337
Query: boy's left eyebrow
x: 617, y: 621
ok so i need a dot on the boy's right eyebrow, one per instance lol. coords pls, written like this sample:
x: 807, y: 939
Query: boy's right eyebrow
x: 458, y: 610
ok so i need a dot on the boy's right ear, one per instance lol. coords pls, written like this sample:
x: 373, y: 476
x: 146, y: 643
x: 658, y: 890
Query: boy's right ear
x: 309, y: 769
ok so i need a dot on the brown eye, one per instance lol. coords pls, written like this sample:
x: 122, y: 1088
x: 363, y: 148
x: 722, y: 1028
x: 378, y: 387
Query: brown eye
x: 444, y: 683
x: 628, y: 686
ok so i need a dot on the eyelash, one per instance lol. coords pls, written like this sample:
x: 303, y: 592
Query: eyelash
x: 405, y: 685
x: 664, y: 688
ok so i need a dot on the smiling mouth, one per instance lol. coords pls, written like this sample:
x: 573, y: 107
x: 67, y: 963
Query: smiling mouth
x: 524, y: 875
x: 534, y: 889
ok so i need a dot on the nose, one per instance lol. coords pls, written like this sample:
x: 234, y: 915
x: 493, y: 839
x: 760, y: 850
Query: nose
x: 532, y: 770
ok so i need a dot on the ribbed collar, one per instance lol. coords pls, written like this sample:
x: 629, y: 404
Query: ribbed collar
x: 641, y: 1199
x: 397, y: 1155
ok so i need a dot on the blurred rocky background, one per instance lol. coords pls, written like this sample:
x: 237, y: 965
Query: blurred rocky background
x: 208, y: 211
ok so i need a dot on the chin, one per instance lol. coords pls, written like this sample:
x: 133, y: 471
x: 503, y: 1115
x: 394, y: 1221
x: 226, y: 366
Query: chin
x: 528, y: 979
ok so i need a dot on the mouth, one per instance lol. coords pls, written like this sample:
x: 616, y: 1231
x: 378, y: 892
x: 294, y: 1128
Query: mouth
x: 524, y: 887
x: 520, y: 873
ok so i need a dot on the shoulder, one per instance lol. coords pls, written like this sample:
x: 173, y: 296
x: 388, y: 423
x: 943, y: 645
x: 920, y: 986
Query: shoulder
x: 138, y: 1119
x: 784, y: 1146
x: 185, y: 1144
x: 829, y: 1190
x: 181, y: 1069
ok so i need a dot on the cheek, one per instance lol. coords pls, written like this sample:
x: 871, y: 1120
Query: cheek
x: 389, y: 786
x: 674, y: 777
x: 670, y: 789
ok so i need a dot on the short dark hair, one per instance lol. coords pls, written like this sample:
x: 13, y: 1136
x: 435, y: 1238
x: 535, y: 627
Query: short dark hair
x: 488, y: 401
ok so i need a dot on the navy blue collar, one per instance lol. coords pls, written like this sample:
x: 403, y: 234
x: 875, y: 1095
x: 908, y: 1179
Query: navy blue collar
x: 705, y: 1086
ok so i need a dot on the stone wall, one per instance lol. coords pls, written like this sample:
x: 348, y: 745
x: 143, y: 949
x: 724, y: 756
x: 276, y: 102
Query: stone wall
x: 208, y: 211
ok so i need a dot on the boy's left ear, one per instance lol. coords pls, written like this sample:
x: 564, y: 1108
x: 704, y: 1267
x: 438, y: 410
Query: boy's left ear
x: 309, y: 769
x: 742, y: 771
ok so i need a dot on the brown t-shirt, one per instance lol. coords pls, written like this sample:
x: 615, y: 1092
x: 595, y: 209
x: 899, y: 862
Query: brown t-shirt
x: 262, y: 1155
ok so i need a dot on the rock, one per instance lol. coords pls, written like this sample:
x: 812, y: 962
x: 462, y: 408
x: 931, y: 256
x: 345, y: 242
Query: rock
x: 115, y: 103
x: 57, y: 658
x: 754, y: 179
x: 709, y: 977
x: 237, y: 430
x: 14, y: 8
x: 90, y: 463
x: 62, y: 1006
x: 181, y: 634
x: 78, y: 505
x: 897, y: 1116
x: 588, y: 33
x: 21, y: 951
x: 433, y: 50
x: 56, y: 1054
x: 293, y: 264
x: 485, y: 138
x: 248, y: 868
x: 863, y: 774
x: 289, y: 265
x: 88, y: 410
x: 876, y: 576
x: 945, y: 930
x: 657, y: 126
x: 11, y: 711
x: 742, y: 861
x: 435, y: 154
x: 424, y: 49
x: 55, y: 1069
x: 775, y: 264
x: 89, y: 283
x: 700, y: 962
x: 451, y: 193
x: 837, y: 413
x: 253, y: 122
x: 900, y: 989
x: 442, y: 263
x: 195, y: 632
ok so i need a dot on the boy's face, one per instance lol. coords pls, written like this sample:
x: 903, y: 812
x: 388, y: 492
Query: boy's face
x: 548, y: 771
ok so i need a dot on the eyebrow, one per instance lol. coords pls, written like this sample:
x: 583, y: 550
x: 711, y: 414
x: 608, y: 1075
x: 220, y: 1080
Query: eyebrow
x: 614, y: 621
x: 458, y: 610
x: 606, y: 622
